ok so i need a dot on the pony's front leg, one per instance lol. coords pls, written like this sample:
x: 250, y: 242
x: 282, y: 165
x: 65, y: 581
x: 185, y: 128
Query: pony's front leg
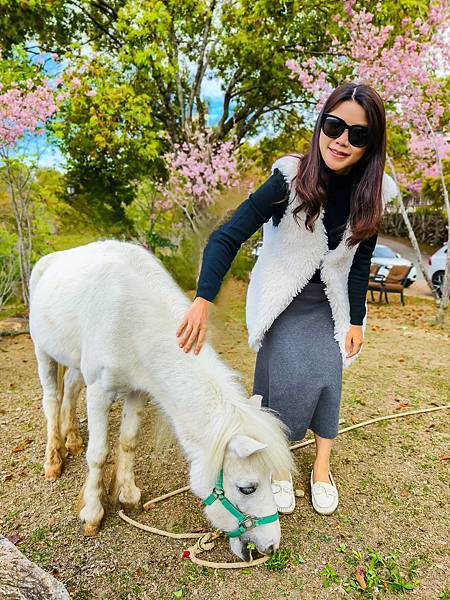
x: 123, y: 486
x: 54, y: 451
x: 98, y: 405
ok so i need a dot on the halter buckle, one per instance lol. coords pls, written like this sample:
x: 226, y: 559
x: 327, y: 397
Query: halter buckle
x: 219, y: 493
x: 250, y: 520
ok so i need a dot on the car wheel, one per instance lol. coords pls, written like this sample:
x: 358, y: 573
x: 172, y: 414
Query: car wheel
x: 438, y: 281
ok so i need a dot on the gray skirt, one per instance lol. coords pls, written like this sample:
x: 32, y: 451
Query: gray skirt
x: 298, y: 368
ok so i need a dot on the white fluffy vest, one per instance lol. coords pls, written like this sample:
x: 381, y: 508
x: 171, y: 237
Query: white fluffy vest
x: 289, y: 256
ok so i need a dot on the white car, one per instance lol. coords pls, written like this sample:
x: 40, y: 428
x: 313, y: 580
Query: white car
x: 436, y: 268
x: 257, y: 248
x: 385, y: 257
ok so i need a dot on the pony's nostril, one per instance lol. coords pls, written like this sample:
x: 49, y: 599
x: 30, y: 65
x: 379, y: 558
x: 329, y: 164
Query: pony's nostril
x: 270, y: 549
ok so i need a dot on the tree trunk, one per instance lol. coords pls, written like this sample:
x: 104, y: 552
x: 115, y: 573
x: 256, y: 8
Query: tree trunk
x: 409, y: 228
x: 20, y: 579
x: 446, y: 283
x: 19, y: 187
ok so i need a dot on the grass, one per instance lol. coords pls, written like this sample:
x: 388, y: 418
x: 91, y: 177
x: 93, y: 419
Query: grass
x: 37, y: 546
x: 282, y: 558
x: 391, y: 523
x: 66, y: 241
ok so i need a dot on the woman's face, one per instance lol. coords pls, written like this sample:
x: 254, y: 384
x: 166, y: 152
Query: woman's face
x: 339, y: 155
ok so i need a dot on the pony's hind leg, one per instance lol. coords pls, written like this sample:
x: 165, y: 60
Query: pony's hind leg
x: 98, y: 405
x: 123, y: 487
x: 73, y: 382
x: 54, y: 452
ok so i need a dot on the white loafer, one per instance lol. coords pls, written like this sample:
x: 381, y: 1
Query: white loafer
x: 324, y: 496
x: 283, y: 492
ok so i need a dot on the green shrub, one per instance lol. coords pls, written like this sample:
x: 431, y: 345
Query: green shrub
x: 243, y: 263
x: 183, y: 262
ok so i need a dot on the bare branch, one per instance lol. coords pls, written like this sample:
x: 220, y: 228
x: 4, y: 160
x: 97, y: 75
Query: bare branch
x: 175, y: 57
x: 241, y: 118
x: 102, y: 28
x: 105, y: 8
x: 409, y: 227
x: 220, y: 128
x: 202, y: 61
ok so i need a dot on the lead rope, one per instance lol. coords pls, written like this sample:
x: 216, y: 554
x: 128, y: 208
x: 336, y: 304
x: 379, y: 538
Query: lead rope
x: 206, y: 541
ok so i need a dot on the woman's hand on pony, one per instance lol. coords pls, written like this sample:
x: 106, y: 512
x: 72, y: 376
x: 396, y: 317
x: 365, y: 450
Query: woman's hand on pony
x: 193, y: 327
x: 354, y: 340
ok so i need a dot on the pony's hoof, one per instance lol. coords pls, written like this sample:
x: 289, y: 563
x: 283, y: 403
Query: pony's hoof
x: 130, y: 498
x: 74, y: 443
x: 52, y: 471
x: 91, y: 529
x: 91, y: 517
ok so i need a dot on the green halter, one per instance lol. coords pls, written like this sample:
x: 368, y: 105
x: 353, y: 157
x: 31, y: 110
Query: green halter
x: 246, y: 522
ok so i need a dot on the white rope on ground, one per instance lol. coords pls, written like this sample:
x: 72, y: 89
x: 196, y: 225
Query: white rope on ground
x: 376, y: 420
x: 169, y: 534
x: 205, y: 541
x: 151, y: 503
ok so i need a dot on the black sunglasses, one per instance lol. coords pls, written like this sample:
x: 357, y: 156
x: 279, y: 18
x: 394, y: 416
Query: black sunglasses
x: 333, y: 127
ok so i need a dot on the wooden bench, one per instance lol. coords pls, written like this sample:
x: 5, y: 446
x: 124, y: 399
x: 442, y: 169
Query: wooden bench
x: 393, y: 283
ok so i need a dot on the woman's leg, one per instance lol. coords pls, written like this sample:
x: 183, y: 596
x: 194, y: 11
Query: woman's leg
x: 321, y: 465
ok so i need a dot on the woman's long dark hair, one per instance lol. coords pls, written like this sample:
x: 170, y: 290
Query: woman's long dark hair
x: 366, y: 208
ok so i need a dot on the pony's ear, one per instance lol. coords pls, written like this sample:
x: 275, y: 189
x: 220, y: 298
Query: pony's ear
x: 256, y: 400
x: 244, y: 446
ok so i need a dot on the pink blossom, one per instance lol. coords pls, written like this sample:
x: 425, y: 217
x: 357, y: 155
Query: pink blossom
x: 198, y: 169
x: 24, y: 111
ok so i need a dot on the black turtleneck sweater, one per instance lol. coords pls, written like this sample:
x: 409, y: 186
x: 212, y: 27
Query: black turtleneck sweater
x: 270, y: 201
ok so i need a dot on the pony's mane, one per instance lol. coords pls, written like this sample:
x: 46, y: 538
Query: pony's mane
x: 239, y: 416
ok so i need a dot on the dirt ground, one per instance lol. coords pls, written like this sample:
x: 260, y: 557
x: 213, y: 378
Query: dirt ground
x: 392, y: 521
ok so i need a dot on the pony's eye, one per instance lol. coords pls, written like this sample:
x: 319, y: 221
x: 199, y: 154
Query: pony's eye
x: 248, y: 489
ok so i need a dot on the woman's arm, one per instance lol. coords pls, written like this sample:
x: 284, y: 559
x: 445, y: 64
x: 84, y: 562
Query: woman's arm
x: 358, y: 279
x: 224, y: 243
x: 222, y: 247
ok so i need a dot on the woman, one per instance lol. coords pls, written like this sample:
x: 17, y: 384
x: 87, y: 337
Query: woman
x: 306, y: 301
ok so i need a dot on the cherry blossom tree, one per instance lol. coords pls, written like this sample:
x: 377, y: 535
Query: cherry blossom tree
x: 407, y: 70
x: 198, y: 169
x: 26, y: 105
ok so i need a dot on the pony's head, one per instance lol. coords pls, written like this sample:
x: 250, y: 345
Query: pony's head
x: 247, y: 446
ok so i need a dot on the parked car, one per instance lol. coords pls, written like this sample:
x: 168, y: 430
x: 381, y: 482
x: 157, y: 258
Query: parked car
x: 385, y: 257
x: 257, y: 248
x: 436, y: 268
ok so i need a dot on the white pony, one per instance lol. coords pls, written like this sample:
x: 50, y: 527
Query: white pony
x: 109, y: 311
